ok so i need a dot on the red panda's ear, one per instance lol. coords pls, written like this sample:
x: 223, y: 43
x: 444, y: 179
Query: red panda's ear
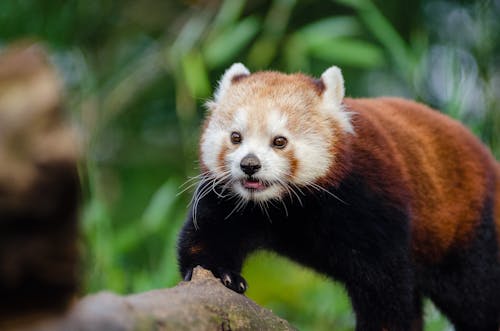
x: 236, y: 71
x: 333, y: 81
x: 332, y: 95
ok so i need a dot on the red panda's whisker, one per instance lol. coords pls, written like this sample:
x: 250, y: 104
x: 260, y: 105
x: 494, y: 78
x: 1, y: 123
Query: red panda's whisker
x: 239, y: 205
x: 320, y: 188
x: 263, y: 206
x: 287, y: 188
x: 198, y: 196
x: 291, y: 188
x: 284, y: 206
x: 217, y: 182
x: 194, y: 181
x: 194, y: 178
x: 206, y: 187
x: 187, y: 188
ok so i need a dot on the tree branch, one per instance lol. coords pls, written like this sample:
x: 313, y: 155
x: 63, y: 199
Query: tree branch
x: 201, y: 304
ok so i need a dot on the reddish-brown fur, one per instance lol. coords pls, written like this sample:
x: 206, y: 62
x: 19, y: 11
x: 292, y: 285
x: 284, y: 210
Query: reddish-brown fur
x: 196, y: 249
x: 430, y: 160
x: 497, y: 203
x: 293, y: 162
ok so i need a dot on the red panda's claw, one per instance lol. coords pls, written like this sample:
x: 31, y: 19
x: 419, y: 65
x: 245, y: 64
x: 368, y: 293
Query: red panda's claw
x: 233, y: 281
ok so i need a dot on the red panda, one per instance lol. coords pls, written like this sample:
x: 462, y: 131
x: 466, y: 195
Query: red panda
x: 387, y: 196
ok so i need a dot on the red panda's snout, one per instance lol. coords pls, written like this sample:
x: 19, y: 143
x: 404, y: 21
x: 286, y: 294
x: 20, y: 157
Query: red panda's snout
x: 257, y: 171
x: 250, y: 164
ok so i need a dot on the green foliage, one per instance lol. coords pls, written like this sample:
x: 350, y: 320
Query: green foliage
x: 228, y: 44
x: 138, y: 72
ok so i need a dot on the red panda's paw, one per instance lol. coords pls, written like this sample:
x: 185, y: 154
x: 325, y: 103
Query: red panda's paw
x: 232, y: 280
x: 229, y: 279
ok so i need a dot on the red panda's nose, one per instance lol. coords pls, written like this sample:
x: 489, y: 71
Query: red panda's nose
x: 250, y: 164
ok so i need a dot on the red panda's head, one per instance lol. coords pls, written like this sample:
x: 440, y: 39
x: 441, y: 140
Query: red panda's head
x: 269, y: 134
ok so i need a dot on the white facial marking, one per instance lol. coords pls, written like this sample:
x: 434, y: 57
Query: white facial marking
x: 240, y: 120
x: 212, y: 141
x: 311, y: 149
x: 276, y: 122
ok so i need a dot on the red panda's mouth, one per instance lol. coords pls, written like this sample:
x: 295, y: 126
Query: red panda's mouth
x: 254, y: 184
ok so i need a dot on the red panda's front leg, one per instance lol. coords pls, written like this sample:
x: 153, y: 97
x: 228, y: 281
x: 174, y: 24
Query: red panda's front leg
x: 221, y: 257
x: 217, y: 243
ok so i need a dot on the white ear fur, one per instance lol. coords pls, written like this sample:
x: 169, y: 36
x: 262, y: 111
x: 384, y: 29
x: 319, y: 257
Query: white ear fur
x: 237, y: 69
x: 334, y: 85
x: 333, y: 95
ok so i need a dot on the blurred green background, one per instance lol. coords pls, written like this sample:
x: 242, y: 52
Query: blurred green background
x: 137, y: 73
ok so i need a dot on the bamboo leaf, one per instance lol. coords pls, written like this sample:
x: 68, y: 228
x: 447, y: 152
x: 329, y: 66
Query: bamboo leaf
x: 196, y: 75
x: 332, y: 27
x: 351, y: 52
x: 383, y: 30
x: 264, y: 50
x: 226, y: 46
x: 228, y: 13
x: 160, y: 205
x: 295, y: 52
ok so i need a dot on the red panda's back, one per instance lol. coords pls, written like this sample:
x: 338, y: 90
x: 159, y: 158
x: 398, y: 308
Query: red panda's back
x: 447, y: 171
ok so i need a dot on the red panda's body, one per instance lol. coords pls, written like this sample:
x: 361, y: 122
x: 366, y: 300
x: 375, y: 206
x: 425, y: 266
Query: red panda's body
x: 447, y: 175
x: 387, y: 196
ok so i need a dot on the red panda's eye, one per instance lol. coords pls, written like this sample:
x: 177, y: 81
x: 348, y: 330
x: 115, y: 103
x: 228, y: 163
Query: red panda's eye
x: 235, y: 137
x: 279, y: 142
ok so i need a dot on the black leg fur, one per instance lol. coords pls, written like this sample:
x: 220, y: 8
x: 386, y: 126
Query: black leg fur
x: 219, y: 254
x: 383, y: 301
x: 466, y: 285
x: 216, y: 243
